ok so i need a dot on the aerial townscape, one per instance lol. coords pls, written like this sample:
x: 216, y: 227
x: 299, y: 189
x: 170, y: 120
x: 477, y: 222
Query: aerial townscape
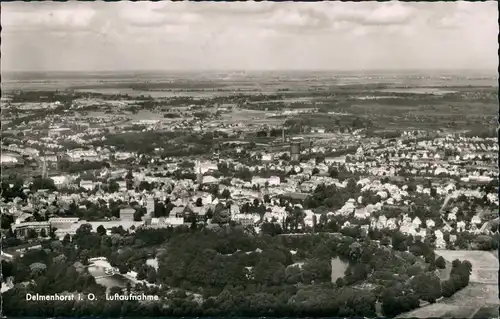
x: 247, y: 193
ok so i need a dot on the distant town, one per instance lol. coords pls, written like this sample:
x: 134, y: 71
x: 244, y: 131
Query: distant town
x: 112, y: 193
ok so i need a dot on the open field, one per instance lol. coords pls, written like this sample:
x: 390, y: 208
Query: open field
x: 495, y: 253
x: 486, y: 312
x: 464, y: 304
x: 239, y: 115
x: 436, y: 310
x: 458, y: 312
x: 474, y: 295
x: 477, y: 300
x: 484, y: 264
x: 391, y: 101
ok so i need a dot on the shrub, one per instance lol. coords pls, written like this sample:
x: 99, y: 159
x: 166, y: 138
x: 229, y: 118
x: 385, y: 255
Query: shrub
x: 440, y: 262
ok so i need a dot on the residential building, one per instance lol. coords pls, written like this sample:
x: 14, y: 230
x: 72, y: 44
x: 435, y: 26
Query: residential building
x: 22, y: 229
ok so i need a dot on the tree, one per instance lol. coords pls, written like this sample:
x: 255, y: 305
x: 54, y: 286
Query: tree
x: 138, y: 215
x: 214, y: 190
x: 399, y: 241
x: 226, y: 193
x: 323, y: 219
x: 222, y: 216
x: 129, y: 175
x: 316, y: 270
x: 266, y: 198
x: 427, y: 286
x: 84, y: 229
x: 7, y: 269
x: 433, y: 192
x: 101, y: 230
x: 114, y: 187
x: 85, y: 256
x: 340, y: 282
x: 396, y: 301
x: 56, y: 246
x: 440, y: 262
x: 42, y: 183
x: 412, y: 187
x: 485, y: 242
x: 37, y: 269
x: 151, y: 276
x: 271, y: 229
x: 123, y: 269
x: 448, y: 288
x: 414, y: 270
x: 199, y: 202
x: 210, y: 213
x: 194, y: 225
x: 144, y: 185
x: 66, y: 239
x: 7, y: 221
x: 115, y: 290
x: 351, y: 186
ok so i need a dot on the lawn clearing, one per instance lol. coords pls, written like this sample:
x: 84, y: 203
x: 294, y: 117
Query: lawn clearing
x: 474, y: 294
x: 484, y: 264
x: 473, y: 299
x: 486, y: 312
x: 436, y: 310
x: 495, y: 253
x: 460, y: 312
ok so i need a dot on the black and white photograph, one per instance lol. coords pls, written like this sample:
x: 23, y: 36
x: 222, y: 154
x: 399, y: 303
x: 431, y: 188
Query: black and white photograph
x: 249, y: 159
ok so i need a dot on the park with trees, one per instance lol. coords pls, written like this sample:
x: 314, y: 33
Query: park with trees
x: 234, y: 273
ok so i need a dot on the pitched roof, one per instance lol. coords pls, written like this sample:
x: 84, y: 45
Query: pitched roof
x: 177, y: 210
x: 294, y: 195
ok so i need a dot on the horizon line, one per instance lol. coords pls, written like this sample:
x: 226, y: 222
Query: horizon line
x: 252, y: 70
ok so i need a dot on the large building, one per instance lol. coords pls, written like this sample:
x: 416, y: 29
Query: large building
x: 108, y: 225
x: 63, y: 222
x: 23, y: 229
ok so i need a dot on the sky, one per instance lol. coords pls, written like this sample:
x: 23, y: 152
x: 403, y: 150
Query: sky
x: 99, y: 36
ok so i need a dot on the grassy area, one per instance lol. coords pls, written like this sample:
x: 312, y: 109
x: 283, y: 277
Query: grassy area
x: 486, y: 312
x: 460, y: 312
x: 495, y: 253
x: 436, y: 310
x: 484, y: 264
x: 478, y: 299
x: 473, y: 300
x: 474, y: 295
